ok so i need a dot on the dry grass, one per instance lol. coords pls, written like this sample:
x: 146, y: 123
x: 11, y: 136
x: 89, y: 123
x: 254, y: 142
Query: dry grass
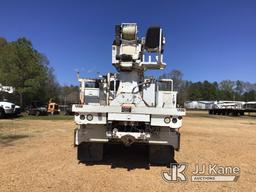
x: 40, y: 156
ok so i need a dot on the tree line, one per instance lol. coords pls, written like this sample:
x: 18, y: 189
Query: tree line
x: 211, y: 91
x: 29, y: 72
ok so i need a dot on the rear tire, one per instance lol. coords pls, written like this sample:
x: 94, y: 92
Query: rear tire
x: 89, y: 152
x: 161, y: 154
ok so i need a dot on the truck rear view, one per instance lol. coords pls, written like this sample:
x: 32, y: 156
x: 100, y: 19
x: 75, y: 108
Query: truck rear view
x: 127, y: 107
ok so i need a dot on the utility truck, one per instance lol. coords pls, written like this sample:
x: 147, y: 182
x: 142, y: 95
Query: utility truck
x: 128, y: 107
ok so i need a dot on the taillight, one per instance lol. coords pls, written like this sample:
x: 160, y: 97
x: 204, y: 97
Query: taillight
x: 167, y: 120
x: 174, y: 120
x: 82, y: 117
x: 89, y: 117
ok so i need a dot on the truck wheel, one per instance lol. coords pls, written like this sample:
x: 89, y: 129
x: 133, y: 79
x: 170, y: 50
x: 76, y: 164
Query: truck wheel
x: 89, y: 152
x: 2, y: 113
x: 161, y: 154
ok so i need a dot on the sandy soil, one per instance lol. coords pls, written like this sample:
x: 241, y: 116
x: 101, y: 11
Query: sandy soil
x: 38, y: 155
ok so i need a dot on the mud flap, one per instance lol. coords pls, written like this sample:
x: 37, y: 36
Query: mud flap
x: 161, y: 154
x: 89, y: 152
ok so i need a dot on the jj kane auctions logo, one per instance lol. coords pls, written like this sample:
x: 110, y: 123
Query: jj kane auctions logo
x: 201, y: 173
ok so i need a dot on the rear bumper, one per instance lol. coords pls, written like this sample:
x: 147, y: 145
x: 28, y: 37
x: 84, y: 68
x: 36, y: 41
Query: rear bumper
x: 97, y: 133
x: 104, y: 114
x: 79, y: 108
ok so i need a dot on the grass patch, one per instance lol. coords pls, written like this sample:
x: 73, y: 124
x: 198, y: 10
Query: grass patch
x: 204, y: 114
x: 46, y: 117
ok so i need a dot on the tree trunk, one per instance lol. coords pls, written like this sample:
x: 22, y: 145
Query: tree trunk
x: 21, y: 99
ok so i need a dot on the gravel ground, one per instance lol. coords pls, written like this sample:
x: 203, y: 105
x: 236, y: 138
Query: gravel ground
x: 38, y: 155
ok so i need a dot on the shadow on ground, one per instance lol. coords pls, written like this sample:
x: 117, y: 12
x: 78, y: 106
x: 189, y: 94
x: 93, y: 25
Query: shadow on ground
x: 132, y: 157
x: 7, y: 140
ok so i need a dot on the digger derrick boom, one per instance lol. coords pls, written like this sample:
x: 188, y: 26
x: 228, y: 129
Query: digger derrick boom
x: 127, y: 107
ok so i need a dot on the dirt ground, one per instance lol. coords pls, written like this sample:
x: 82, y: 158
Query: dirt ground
x: 38, y: 155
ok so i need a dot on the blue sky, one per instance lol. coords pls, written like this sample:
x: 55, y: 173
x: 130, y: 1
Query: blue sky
x: 209, y: 40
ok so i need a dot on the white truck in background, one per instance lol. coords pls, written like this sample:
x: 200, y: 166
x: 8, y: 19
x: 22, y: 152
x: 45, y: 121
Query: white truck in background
x: 8, y: 108
x: 126, y: 107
